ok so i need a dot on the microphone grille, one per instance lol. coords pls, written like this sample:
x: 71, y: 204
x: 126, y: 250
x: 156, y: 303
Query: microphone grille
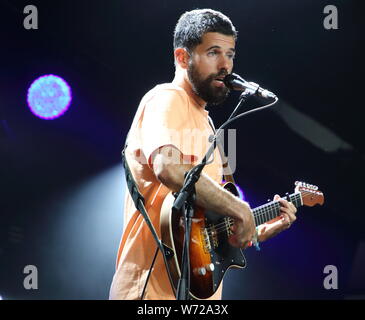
x: 228, y: 79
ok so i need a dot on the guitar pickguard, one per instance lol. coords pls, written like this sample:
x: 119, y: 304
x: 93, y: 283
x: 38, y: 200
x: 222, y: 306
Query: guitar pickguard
x: 223, y: 255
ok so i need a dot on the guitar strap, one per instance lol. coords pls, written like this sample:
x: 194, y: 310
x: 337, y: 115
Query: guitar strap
x: 139, y: 201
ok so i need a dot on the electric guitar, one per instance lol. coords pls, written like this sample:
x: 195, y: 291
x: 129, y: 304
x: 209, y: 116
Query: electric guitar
x: 211, y: 255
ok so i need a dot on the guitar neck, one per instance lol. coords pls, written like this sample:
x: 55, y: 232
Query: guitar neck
x: 271, y: 209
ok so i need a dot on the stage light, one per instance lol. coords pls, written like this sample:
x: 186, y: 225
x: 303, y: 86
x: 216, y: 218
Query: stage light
x: 89, y: 223
x: 49, y: 97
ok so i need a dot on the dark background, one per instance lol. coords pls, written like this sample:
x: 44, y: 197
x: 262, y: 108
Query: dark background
x: 61, y: 181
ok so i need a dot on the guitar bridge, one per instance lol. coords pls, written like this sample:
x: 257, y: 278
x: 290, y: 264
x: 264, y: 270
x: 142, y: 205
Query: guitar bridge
x: 205, y: 236
x: 214, y: 235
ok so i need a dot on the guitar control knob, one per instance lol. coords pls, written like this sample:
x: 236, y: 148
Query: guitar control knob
x: 202, y: 271
x: 210, y: 267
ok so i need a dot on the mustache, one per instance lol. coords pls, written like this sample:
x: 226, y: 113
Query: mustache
x: 221, y: 73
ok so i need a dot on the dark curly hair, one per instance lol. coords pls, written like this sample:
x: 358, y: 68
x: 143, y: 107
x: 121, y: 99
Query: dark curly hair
x: 192, y: 25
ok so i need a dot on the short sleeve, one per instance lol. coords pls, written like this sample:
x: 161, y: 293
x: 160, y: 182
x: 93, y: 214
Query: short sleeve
x: 165, y: 119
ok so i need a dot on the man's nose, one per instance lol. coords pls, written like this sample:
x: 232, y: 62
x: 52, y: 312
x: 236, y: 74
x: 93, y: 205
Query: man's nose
x: 225, y: 63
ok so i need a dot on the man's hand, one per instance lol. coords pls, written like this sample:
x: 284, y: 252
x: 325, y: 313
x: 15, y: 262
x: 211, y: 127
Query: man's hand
x: 170, y: 169
x: 243, y: 229
x: 281, y: 223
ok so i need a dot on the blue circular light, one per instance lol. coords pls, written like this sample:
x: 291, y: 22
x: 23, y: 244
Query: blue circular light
x: 49, y: 97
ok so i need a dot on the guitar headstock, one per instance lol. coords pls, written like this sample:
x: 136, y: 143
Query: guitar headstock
x: 310, y: 194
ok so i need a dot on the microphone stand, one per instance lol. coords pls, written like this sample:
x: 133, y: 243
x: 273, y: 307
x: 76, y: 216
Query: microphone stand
x: 185, y: 200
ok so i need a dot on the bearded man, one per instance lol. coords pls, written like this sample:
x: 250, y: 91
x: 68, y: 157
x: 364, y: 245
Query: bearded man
x: 169, y: 135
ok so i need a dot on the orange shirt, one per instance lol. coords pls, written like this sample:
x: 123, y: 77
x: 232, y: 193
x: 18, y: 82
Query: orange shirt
x: 167, y: 115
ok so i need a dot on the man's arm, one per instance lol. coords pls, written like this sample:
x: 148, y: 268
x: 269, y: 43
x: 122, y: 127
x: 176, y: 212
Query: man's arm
x: 280, y: 223
x: 169, y: 169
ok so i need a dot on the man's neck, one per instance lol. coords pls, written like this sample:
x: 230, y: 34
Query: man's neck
x: 182, y: 81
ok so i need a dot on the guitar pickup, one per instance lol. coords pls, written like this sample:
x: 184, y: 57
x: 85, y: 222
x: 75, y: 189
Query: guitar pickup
x: 228, y: 223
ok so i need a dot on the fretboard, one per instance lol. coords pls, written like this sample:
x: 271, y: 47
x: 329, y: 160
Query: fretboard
x: 271, y: 209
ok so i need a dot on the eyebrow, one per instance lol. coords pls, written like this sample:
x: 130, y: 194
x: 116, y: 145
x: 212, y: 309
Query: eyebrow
x: 218, y: 47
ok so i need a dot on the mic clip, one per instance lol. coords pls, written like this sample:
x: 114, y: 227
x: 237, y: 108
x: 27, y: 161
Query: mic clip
x: 251, y: 89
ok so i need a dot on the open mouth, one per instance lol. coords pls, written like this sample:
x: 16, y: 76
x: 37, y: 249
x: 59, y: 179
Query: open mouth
x: 219, y: 79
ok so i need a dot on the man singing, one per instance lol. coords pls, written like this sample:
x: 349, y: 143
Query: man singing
x: 160, y: 151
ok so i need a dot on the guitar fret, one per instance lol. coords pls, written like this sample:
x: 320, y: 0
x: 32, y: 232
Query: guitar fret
x: 276, y: 209
x: 256, y: 213
x: 296, y: 200
x: 256, y: 218
x: 299, y: 199
x: 264, y: 214
x: 261, y: 211
x: 261, y: 214
x: 292, y: 199
x: 260, y: 217
x: 271, y: 210
x: 264, y: 210
x: 267, y: 212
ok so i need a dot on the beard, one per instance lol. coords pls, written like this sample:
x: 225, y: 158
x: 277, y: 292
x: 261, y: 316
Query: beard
x: 204, y: 88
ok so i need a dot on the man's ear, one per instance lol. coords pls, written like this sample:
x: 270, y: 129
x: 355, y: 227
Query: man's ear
x: 182, y: 57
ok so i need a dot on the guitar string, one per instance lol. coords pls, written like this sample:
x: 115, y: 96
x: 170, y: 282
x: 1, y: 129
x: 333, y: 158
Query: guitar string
x: 228, y: 222
x: 261, y: 211
x: 223, y: 226
x: 265, y: 209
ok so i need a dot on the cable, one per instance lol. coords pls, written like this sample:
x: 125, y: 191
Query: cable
x: 218, y: 132
x: 149, y: 273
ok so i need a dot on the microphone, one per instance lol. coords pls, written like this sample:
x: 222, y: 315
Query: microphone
x: 234, y: 82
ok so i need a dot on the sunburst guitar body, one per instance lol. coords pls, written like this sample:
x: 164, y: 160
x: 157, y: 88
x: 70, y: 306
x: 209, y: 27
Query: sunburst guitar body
x: 210, y: 253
